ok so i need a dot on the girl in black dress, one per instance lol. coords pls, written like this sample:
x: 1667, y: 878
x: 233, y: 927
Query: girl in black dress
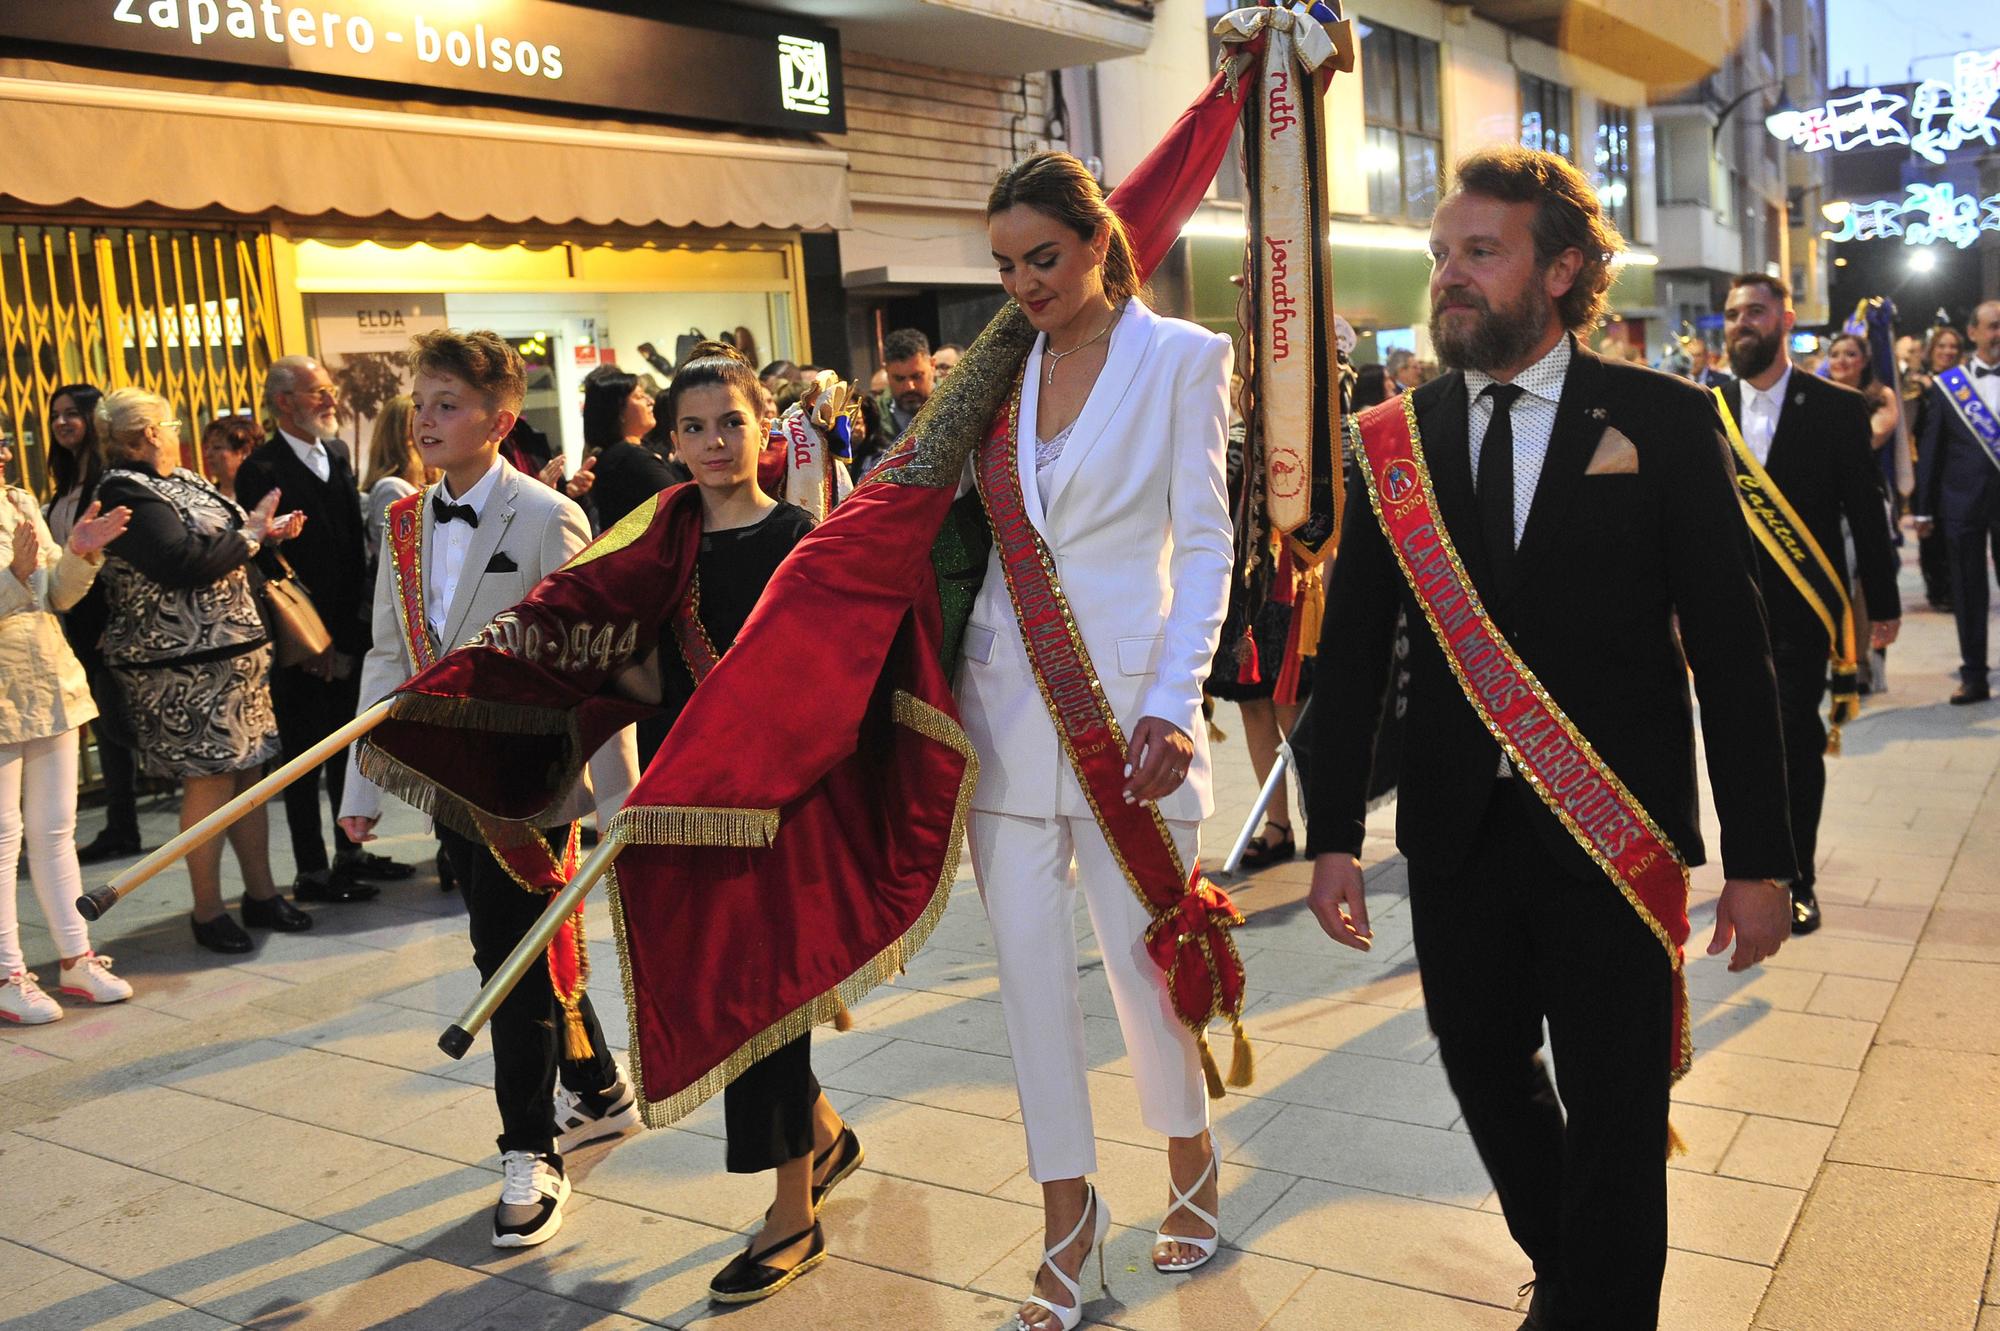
x: 776, y: 1117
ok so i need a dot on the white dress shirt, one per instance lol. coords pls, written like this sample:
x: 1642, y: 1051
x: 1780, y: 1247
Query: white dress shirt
x: 1986, y: 385
x: 1534, y: 421
x: 1761, y: 408
x: 449, y: 542
x: 312, y: 454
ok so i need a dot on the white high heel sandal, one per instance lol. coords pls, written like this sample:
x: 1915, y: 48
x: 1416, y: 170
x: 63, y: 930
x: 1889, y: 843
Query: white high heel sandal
x: 1067, y: 1318
x: 1184, y: 1201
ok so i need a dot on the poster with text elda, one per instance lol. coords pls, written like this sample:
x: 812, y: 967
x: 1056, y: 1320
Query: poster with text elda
x: 364, y: 342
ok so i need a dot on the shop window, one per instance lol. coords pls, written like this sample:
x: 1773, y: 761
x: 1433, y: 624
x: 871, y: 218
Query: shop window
x: 1545, y: 115
x: 1404, y: 148
x: 1612, y: 165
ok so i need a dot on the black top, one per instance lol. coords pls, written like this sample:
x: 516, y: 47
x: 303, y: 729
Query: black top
x: 734, y: 566
x: 1609, y: 565
x: 627, y: 476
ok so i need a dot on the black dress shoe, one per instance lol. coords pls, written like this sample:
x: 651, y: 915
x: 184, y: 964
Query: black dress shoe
x: 1805, y: 910
x: 221, y: 934
x: 333, y: 886
x: 275, y: 913
x: 1536, y: 1319
x: 746, y: 1279
x: 367, y: 864
x: 1969, y: 693
x: 107, y: 845
x: 1264, y: 852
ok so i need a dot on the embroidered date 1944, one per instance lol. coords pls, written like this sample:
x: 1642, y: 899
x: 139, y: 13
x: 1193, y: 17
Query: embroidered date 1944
x: 585, y: 646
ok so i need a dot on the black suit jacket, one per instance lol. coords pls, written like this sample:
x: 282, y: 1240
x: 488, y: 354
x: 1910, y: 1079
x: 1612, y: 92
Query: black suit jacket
x: 331, y: 554
x: 1821, y: 460
x: 1957, y: 482
x: 628, y: 475
x: 1608, y: 564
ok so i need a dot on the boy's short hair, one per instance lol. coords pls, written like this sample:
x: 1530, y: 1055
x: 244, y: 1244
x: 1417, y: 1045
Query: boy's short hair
x: 481, y: 357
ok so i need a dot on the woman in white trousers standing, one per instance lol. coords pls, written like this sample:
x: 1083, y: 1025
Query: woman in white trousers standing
x: 1120, y: 421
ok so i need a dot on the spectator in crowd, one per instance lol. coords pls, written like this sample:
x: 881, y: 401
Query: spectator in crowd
x: 906, y: 355
x: 878, y: 384
x: 777, y: 374
x: 660, y: 439
x: 1371, y: 385
x: 185, y: 641
x: 743, y: 340
x: 394, y: 469
x: 944, y: 358
x: 1957, y: 494
x: 617, y: 415
x: 44, y: 698
x: 76, y: 464
x: 224, y: 444
x: 1847, y: 364
x: 1941, y: 349
x: 1699, y: 368
x: 1909, y: 354
x: 1403, y: 371
x: 306, y: 460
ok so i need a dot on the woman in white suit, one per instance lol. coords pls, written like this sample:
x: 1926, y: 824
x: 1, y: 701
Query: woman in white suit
x: 1121, y: 437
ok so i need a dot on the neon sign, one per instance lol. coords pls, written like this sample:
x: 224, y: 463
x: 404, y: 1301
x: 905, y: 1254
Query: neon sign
x: 1925, y: 215
x: 1945, y: 116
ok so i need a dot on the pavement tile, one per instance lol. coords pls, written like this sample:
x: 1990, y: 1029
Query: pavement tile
x: 960, y: 1080
x: 190, y: 994
x: 955, y: 971
x: 934, y: 1232
x: 78, y: 1300
x: 1876, y: 921
x: 463, y: 1130
x: 1871, y: 959
x: 1729, y: 1217
x: 1353, y: 1028
x: 142, y: 1124
x: 841, y: 1293
x: 1115, y: 1116
x: 1777, y: 1150
x: 536, y: 1311
x: 1410, y: 1161
x: 350, y: 1284
x: 1794, y: 1037
x: 348, y: 1094
x: 1711, y: 981
x: 673, y: 1172
x: 94, y: 1034
x: 280, y: 1162
x: 1905, y: 893
x: 1330, y: 1299
x: 21, y: 1267
x: 1406, y: 1092
x: 1379, y: 977
x: 938, y: 1146
x: 18, y: 1061
x: 52, y: 1188
x: 1946, y: 1005
x: 1133, y: 1180
x: 1963, y: 929
x: 1881, y: 1248
x: 1852, y: 997
x: 1707, y: 1133
x: 436, y: 1207
x: 1928, y: 1110
x: 1757, y: 1085
x: 1450, y: 1250
x: 1703, y: 1293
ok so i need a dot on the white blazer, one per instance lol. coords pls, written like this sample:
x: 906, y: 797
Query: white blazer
x: 1138, y: 525
x: 538, y: 529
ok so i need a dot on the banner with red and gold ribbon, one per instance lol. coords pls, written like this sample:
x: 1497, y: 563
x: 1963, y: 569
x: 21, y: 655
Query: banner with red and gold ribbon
x: 1543, y: 744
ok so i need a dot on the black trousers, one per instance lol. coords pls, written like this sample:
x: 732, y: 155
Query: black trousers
x: 1934, y: 562
x: 309, y: 709
x: 1802, y: 675
x: 1971, y: 593
x: 528, y: 1027
x: 768, y: 1111
x: 1512, y: 937
x: 113, y: 728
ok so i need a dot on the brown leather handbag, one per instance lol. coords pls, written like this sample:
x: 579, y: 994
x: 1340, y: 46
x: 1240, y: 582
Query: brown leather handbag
x: 298, y: 634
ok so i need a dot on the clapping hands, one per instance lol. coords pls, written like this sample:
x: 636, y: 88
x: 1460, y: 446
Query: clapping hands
x: 94, y: 530
x: 267, y: 527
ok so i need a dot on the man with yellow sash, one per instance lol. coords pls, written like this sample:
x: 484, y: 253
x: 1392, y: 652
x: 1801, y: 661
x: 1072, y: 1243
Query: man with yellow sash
x: 1544, y: 518
x: 1803, y: 464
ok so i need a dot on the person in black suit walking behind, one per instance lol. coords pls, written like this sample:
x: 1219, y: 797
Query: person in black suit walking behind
x: 1812, y: 437
x: 307, y: 461
x: 1958, y: 488
x: 1592, y: 506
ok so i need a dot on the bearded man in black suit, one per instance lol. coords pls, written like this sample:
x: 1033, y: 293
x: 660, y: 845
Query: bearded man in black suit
x: 1592, y: 506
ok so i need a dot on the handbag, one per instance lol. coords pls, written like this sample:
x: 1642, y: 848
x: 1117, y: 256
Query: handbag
x: 297, y: 632
x: 685, y: 344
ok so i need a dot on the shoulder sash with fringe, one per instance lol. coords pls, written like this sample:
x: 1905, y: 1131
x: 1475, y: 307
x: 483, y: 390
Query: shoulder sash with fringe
x: 529, y: 861
x: 1543, y: 744
x: 1972, y: 409
x: 1800, y: 557
x: 1189, y: 936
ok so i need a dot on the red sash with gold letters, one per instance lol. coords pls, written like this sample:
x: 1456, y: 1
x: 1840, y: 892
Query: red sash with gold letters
x: 530, y: 861
x: 1545, y: 747
x: 1189, y: 936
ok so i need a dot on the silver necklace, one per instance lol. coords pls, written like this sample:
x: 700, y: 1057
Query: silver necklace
x: 1051, y: 355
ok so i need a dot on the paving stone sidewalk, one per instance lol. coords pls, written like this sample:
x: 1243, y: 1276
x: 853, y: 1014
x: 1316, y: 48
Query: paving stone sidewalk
x: 278, y: 1143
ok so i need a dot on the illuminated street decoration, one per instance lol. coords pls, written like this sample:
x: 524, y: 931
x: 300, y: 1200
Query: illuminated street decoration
x: 1925, y: 215
x: 1945, y: 115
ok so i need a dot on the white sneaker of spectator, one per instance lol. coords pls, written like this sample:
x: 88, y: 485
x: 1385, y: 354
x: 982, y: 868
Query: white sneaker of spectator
x: 22, y: 1001
x: 91, y: 979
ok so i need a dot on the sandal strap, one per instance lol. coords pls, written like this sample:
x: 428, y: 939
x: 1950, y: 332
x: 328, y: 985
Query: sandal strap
x: 1184, y: 1201
x: 782, y: 1244
x: 1074, y: 1287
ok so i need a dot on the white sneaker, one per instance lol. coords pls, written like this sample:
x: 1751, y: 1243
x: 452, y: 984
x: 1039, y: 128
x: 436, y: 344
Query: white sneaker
x: 22, y: 1001
x: 91, y: 979
x: 578, y: 1125
x: 531, y: 1199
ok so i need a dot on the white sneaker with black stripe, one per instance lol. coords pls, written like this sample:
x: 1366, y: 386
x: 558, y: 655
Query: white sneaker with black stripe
x: 579, y: 1123
x: 531, y: 1199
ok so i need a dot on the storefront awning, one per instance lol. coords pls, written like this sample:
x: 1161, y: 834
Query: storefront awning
x: 130, y: 141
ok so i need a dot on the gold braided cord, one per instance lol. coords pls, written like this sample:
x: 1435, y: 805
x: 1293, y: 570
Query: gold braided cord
x: 913, y: 714
x: 1522, y: 767
x: 618, y: 535
x: 692, y: 825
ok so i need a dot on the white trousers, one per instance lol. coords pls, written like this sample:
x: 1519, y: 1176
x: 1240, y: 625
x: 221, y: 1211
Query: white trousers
x: 38, y: 790
x: 1024, y: 870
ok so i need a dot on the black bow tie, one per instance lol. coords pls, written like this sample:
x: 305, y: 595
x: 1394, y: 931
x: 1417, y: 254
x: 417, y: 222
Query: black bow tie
x: 1981, y: 371
x: 445, y: 511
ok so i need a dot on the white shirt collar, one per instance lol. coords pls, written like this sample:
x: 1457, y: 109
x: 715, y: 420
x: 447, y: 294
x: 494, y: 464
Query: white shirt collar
x: 481, y: 491
x: 1991, y: 365
x: 301, y: 446
x: 1543, y: 379
x: 1775, y: 394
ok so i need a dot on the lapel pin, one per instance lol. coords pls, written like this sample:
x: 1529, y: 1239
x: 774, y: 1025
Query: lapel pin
x: 1798, y: 399
x: 1597, y: 413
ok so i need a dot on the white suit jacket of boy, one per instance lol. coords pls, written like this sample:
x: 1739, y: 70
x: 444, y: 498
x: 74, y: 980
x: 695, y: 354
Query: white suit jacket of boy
x: 1137, y: 523
x: 537, y: 529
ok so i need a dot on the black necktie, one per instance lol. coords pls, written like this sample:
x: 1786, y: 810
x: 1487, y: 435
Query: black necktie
x: 445, y: 511
x: 1981, y: 371
x: 1496, y: 478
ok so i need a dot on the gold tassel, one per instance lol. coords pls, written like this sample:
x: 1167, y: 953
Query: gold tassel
x: 1676, y: 1144
x: 1310, y: 607
x: 576, y: 1040
x: 1242, y: 1061
x: 1216, y: 1089
x: 843, y: 1020
x: 1833, y: 740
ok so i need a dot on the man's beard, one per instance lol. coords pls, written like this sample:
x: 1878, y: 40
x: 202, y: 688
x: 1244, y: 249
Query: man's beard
x: 1498, y: 338
x: 1750, y: 355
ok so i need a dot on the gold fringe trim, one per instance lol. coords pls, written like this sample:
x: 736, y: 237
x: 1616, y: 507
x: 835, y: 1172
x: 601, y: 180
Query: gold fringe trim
x: 913, y: 714
x: 688, y: 825
x: 843, y: 1020
x: 485, y: 714
x: 427, y: 797
x: 1676, y: 1144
